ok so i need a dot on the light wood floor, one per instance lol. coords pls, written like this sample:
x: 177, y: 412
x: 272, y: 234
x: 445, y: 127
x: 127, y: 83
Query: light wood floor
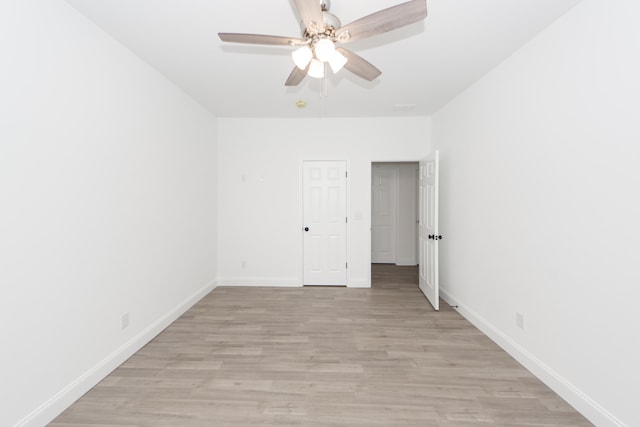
x: 321, y: 357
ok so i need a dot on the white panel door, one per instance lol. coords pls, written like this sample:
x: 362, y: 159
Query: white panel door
x: 428, y: 229
x: 383, y: 214
x: 325, y: 223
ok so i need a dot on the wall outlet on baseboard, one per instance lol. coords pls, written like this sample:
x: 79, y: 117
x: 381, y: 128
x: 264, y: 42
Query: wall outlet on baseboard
x: 520, y: 320
x: 125, y: 320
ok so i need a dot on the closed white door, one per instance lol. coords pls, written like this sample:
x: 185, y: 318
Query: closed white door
x: 325, y: 223
x: 428, y: 229
x: 383, y: 214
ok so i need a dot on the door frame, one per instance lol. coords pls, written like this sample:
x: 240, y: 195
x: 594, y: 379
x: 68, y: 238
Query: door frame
x: 416, y: 231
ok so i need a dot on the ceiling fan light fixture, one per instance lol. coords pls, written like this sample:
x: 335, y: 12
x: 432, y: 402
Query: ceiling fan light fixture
x: 316, y: 49
x: 324, y: 49
x: 302, y: 57
x: 337, y: 61
x: 316, y: 69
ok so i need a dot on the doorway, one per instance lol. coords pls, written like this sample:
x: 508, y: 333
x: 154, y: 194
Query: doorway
x: 394, y: 213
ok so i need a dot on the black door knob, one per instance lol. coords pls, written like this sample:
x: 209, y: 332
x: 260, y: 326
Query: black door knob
x: 306, y: 229
x: 431, y: 237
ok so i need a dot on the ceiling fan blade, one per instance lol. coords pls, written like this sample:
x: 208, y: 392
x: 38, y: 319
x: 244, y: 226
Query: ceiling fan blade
x: 259, y: 39
x: 385, y: 20
x: 310, y: 11
x: 359, y: 66
x: 296, y: 76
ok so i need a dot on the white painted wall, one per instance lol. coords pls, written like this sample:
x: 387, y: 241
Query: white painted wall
x: 540, y: 181
x: 107, y: 205
x: 260, y: 194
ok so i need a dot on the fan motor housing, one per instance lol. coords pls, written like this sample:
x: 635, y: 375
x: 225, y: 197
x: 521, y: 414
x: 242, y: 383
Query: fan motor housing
x: 329, y: 20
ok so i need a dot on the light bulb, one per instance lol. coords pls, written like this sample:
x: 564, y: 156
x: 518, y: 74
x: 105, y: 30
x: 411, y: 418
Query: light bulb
x: 302, y: 57
x: 337, y: 61
x: 324, y: 49
x: 316, y: 69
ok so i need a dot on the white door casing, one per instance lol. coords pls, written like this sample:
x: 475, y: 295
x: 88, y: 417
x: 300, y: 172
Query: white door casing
x: 428, y: 228
x: 325, y: 223
x: 383, y: 218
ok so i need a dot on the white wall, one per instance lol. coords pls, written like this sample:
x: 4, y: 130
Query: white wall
x: 540, y: 209
x: 260, y: 194
x: 107, y: 205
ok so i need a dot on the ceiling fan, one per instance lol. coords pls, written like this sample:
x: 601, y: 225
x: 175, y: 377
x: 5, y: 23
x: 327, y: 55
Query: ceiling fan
x: 322, y: 31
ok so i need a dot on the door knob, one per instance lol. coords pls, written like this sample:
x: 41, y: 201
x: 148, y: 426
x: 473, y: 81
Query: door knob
x: 306, y: 229
x: 431, y: 237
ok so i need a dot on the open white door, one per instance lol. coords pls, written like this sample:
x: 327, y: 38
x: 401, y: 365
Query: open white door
x: 428, y: 229
x: 325, y: 223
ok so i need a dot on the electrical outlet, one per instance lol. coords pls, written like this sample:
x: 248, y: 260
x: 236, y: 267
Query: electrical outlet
x: 125, y: 320
x: 520, y: 320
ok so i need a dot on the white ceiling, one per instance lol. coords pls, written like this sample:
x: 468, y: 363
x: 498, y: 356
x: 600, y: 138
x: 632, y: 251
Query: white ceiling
x: 425, y: 64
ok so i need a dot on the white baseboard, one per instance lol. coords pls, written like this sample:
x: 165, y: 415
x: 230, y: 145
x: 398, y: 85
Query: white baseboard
x: 282, y: 282
x: 270, y: 282
x: 359, y: 283
x: 68, y: 395
x: 408, y: 261
x: 565, y: 389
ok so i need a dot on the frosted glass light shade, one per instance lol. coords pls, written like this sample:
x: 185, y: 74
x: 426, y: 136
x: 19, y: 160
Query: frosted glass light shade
x: 302, y: 57
x: 324, y: 49
x: 337, y: 61
x: 316, y: 69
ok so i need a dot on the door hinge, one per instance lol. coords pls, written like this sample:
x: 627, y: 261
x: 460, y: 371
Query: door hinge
x: 346, y: 265
x: 346, y: 174
x: 346, y: 219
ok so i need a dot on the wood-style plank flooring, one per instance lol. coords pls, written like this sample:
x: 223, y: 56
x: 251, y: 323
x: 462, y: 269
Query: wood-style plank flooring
x: 319, y: 356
